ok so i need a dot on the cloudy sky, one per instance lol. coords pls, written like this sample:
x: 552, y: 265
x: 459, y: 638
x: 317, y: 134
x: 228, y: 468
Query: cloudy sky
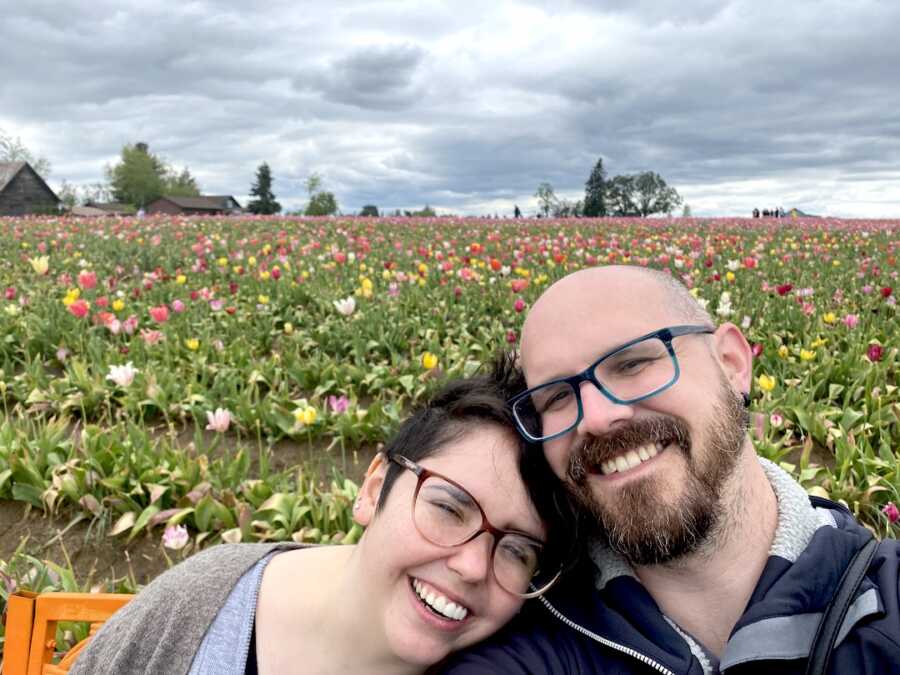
x: 468, y: 105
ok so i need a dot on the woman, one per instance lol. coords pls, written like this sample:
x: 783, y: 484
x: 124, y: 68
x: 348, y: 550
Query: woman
x: 462, y: 524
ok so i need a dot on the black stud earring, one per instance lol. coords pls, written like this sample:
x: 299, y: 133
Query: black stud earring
x: 746, y: 398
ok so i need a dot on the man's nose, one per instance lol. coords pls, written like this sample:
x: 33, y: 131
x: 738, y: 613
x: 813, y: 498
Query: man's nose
x: 472, y: 560
x: 599, y: 413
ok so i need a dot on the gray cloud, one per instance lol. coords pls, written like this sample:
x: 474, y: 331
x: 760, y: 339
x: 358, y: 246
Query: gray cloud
x: 468, y: 107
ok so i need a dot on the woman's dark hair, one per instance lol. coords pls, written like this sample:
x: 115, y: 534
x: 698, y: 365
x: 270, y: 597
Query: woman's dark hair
x: 459, y: 408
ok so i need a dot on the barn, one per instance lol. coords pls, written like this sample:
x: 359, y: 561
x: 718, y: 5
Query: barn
x: 206, y: 205
x: 23, y: 191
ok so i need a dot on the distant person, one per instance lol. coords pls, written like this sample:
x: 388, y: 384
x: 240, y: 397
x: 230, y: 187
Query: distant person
x: 765, y: 213
x: 517, y: 213
x: 461, y: 526
x: 141, y: 213
x: 756, y: 213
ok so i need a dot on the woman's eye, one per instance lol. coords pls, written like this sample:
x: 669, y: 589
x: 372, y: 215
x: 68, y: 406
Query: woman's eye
x: 448, y: 510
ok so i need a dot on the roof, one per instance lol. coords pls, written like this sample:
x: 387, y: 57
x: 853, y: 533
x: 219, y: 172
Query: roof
x: 8, y: 171
x: 218, y: 202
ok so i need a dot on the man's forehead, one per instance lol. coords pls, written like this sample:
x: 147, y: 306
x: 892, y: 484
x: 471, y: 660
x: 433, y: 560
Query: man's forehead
x: 578, y: 319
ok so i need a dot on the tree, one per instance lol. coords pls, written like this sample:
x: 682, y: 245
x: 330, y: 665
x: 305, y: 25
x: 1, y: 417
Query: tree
x: 566, y: 209
x: 68, y: 195
x: 141, y: 177
x: 14, y: 150
x: 686, y: 211
x: 620, y: 196
x: 546, y: 198
x: 181, y: 185
x: 595, y: 192
x: 369, y: 210
x: 264, y: 203
x: 427, y: 212
x: 322, y: 204
x: 653, y: 195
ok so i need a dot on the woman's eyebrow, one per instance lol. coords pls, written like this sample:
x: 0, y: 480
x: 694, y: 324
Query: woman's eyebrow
x: 458, y: 494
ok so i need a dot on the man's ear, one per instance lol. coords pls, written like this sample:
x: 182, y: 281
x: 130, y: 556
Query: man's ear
x: 369, y: 493
x: 735, y: 357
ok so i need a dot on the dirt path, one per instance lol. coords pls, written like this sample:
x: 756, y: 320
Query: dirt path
x: 94, y: 558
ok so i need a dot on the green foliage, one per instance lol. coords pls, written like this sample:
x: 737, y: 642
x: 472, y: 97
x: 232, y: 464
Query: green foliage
x: 640, y: 194
x: 426, y: 212
x: 141, y: 177
x: 322, y: 204
x: 181, y: 184
x: 595, y: 192
x: 369, y: 211
x: 264, y: 203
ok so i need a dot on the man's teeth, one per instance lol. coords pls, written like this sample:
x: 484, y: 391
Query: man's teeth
x: 439, y: 603
x: 631, y: 459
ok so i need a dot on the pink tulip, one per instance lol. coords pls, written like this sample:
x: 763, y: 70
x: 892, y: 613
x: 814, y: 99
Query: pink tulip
x: 218, y: 421
x: 175, y: 537
x: 338, y: 404
x: 87, y: 280
x: 519, y: 305
x: 160, y: 314
x: 892, y: 512
x: 851, y: 320
x: 178, y: 306
x: 874, y: 353
x: 79, y: 308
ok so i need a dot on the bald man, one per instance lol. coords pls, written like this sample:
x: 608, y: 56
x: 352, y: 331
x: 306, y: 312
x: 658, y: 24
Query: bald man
x: 702, y: 557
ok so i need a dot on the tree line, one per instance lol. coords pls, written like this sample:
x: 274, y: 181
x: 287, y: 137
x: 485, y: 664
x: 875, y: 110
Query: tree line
x: 639, y: 194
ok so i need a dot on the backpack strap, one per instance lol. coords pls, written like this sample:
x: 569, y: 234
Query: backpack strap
x: 826, y: 635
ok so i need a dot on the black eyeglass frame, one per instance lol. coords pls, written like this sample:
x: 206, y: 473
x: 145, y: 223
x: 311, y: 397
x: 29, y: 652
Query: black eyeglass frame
x: 665, y: 335
x: 423, y: 474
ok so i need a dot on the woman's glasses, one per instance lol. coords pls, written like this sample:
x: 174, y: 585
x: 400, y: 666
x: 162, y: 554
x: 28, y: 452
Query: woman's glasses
x: 446, y: 514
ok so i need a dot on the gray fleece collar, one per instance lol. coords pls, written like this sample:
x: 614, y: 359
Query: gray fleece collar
x: 797, y: 522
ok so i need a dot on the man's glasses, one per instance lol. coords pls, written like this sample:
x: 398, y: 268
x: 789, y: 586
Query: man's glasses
x: 445, y: 514
x: 630, y: 373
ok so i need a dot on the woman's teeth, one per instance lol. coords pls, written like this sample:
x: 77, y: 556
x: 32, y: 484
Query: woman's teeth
x: 631, y: 459
x: 438, y: 603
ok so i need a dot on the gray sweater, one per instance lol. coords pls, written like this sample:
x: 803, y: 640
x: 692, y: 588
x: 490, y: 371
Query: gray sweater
x: 161, y: 630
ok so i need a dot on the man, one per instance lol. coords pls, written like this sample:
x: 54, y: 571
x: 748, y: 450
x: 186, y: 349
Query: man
x: 704, y: 558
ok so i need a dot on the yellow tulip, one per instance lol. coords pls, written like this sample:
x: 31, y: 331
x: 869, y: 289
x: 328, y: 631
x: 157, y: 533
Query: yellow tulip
x: 830, y: 317
x: 192, y: 343
x: 251, y: 261
x: 766, y: 382
x: 729, y: 276
x: 181, y: 280
x: 118, y: 305
x: 783, y: 351
x: 429, y: 360
x: 807, y: 355
x: 305, y: 416
x: 263, y: 299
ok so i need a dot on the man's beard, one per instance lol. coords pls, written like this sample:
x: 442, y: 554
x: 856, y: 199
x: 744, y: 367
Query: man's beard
x: 640, y: 525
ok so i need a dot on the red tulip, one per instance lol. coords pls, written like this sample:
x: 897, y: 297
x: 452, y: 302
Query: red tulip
x: 886, y: 291
x: 519, y: 305
x: 874, y: 353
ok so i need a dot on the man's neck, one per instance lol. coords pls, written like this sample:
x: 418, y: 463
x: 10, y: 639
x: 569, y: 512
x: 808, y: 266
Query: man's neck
x: 706, y: 592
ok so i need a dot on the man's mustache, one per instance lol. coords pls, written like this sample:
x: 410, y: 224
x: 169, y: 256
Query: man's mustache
x: 589, y: 455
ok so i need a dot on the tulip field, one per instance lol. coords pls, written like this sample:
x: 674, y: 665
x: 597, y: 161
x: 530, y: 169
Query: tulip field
x: 155, y: 370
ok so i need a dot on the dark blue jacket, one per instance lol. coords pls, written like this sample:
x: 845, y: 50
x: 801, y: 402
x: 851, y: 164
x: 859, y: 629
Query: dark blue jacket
x: 578, y: 629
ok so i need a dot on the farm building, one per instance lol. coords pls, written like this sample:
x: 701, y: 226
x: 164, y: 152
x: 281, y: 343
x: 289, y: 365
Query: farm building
x: 208, y: 205
x: 23, y: 191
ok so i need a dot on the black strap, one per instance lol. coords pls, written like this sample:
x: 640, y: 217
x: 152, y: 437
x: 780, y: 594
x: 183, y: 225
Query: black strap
x: 826, y: 635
